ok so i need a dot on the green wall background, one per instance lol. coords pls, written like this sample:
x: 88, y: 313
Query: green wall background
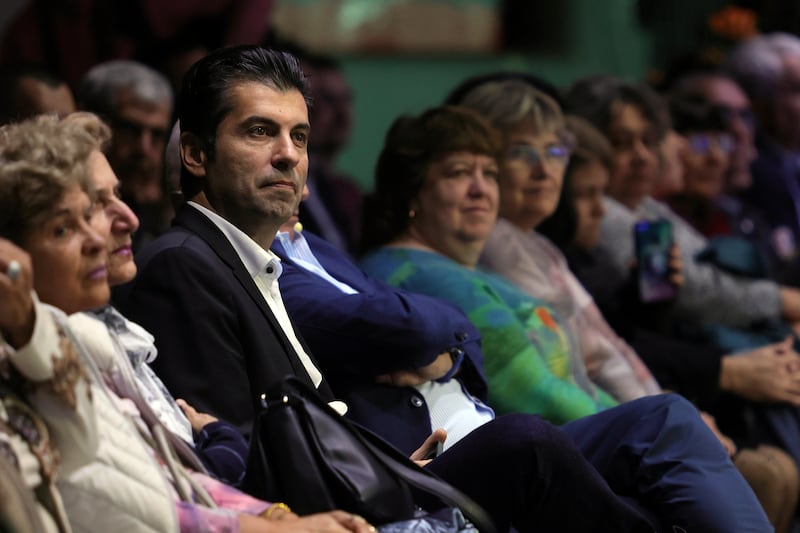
x: 604, y: 36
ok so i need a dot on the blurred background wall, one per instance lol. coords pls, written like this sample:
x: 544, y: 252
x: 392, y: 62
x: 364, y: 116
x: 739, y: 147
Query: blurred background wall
x: 402, y: 56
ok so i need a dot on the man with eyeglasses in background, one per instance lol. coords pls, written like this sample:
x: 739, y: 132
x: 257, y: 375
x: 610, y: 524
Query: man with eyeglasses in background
x: 767, y: 67
x: 722, y: 92
x: 136, y: 101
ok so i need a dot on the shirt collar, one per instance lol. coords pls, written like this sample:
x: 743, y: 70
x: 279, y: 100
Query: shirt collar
x: 257, y: 261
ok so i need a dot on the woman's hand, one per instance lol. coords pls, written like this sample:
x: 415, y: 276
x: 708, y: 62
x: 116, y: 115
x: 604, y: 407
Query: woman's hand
x: 197, y: 420
x: 330, y: 522
x: 17, y: 314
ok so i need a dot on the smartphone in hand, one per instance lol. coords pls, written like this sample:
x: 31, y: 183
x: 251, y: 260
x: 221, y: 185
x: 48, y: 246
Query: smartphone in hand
x: 653, y: 244
x: 435, y: 451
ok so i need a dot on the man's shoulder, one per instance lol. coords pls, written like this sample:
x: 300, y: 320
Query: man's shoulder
x: 177, y: 240
x: 770, y: 165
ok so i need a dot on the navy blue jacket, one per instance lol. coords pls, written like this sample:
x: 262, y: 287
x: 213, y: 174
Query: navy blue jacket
x: 379, y: 330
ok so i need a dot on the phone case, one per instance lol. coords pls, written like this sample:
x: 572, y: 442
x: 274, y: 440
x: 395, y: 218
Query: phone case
x: 653, y: 245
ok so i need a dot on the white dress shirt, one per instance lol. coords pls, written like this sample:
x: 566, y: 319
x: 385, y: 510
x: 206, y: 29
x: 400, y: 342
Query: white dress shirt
x: 265, y: 268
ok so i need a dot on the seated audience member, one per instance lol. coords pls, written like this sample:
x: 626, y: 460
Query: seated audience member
x: 26, y: 91
x: 724, y: 93
x: 110, y: 478
x: 765, y: 66
x: 537, y: 149
x: 705, y: 162
x: 220, y: 446
x: 137, y: 103
x: 633, y: 119
x: 334, y: 208
x: 244, y: 127
x: 745, y: 220
x: 714, y: 383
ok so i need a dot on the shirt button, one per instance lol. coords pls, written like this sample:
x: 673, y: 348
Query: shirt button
x: 270, y: 270
x: 416, y: 401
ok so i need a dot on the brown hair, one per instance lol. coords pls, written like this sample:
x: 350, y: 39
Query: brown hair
x: 411, y: 145
x: 590, y: 143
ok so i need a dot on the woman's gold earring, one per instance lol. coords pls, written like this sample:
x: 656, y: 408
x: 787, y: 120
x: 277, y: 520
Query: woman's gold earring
x: 411, y: 213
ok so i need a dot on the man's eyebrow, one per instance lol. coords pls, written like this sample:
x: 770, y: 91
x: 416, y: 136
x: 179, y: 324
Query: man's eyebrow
x: 256, y: 119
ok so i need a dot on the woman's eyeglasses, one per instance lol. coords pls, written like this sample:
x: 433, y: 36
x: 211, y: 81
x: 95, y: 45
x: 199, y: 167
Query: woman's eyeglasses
x: 702, y: 143
x: 531, y: 155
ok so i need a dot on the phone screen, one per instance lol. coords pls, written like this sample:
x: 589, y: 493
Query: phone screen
x: 653, y: 244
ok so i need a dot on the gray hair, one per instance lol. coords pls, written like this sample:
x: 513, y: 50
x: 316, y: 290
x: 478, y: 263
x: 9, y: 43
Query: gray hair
x: 100, y: 86
x: 757, y: 64
x: 510, y: 103
x: 40, y: 158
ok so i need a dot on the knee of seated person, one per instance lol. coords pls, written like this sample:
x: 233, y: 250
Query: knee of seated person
x: 676, y: 405
x: 529, y: 432
x: 784, y: 468
x: 772, y: 474
x: 662, y: 412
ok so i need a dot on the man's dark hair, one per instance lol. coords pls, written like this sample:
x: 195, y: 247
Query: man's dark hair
x: 691, y: 113
x: 593, y: 99
x: 204, y: 100
x: 10, y: 78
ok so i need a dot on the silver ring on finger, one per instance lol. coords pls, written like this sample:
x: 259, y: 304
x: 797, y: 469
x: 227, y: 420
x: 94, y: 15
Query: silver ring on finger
x: 13, y: 270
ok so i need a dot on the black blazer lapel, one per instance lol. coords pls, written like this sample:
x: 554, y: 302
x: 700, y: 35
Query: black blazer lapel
x: 192, y: 220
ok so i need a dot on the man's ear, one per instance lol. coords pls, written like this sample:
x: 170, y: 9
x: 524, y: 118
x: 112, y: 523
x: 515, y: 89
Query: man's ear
x: 193, y: 156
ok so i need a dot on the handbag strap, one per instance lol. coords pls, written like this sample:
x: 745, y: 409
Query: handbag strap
x: 402, y: 466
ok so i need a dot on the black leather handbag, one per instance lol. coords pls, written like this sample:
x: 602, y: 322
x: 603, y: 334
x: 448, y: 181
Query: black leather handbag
x: 304, y: 453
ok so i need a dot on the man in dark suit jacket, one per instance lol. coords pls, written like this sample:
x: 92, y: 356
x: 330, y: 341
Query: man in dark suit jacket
x: 208, y: 292
x: 225, y: 324
x: 248, y: 182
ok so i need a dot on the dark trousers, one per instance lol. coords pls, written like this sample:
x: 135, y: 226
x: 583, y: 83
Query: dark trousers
x: 657, y: 451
